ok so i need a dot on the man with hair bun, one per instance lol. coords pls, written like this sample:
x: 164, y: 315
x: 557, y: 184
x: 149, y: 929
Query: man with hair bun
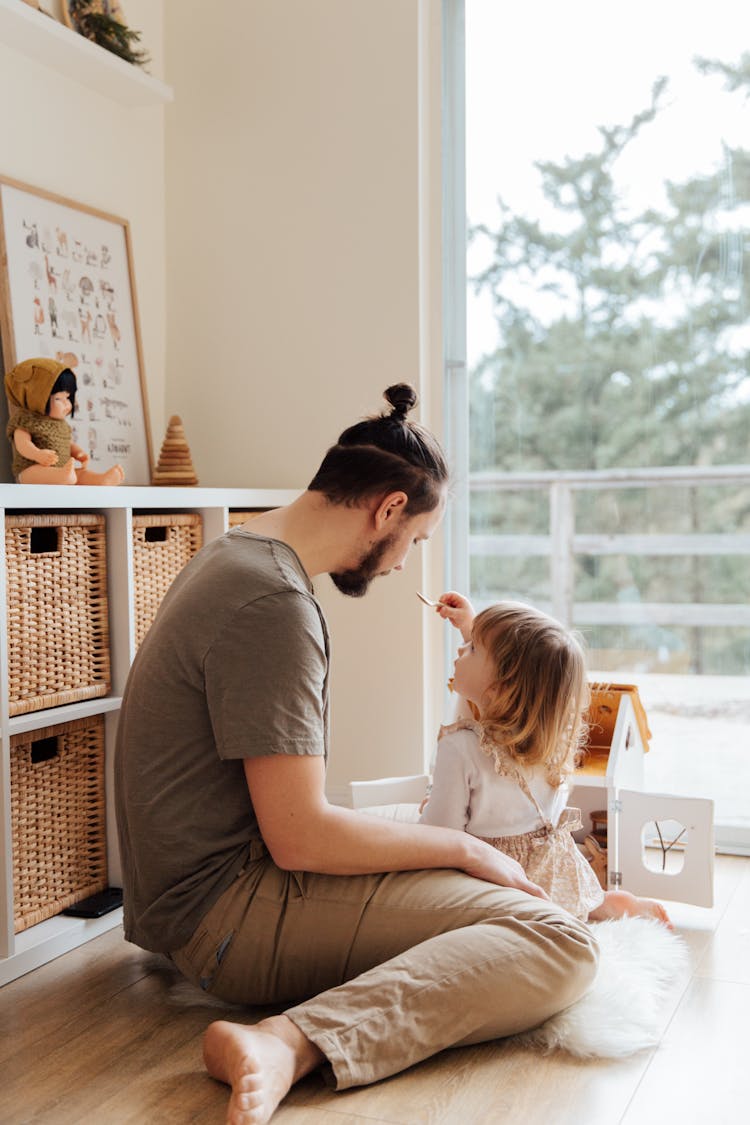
x: 386, y: 942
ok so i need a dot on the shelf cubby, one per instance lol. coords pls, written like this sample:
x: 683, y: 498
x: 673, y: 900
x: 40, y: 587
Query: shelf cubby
x: 41, y: 943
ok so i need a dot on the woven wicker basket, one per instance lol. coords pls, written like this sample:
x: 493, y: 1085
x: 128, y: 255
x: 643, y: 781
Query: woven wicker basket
x: 57, y: 818
x: 58, y: 629
x: 237, y: 518
x: 162, y: 544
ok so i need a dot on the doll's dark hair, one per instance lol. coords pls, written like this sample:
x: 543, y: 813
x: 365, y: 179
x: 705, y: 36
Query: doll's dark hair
x: 385, y: 453
x: 65, y: 381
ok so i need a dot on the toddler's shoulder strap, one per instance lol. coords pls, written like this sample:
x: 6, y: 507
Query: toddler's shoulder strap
x: 460, y: 724
x: 507, y: 766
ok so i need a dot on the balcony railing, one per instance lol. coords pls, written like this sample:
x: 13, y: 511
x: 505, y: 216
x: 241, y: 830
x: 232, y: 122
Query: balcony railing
x: 564, y: 543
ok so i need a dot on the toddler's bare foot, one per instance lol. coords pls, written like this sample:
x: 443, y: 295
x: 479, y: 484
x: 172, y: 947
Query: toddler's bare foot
x: 619, y: 904
x: 260, y: 1062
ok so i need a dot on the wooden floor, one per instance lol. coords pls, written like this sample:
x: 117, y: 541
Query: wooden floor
x: 93, y: 1037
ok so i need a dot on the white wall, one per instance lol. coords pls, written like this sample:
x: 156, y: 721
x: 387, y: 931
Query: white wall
x: 286, y: 237
x: 60, y: 135
x: 299, y: 286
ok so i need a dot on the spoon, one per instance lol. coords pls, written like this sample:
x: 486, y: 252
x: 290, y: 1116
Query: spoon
x: 426, y: 601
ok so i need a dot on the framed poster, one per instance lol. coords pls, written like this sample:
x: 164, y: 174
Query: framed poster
x: 67, y: 291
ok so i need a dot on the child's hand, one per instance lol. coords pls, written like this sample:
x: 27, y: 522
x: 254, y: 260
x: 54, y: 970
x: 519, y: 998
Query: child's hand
x: 46, y: 457
x: 458, y: 610
x: 82, y: 458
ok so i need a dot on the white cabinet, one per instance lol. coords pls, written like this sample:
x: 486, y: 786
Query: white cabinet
x: 24, y: 951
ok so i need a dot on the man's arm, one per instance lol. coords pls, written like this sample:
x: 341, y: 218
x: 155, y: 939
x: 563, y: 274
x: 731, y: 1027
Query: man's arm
x: 303, y: 832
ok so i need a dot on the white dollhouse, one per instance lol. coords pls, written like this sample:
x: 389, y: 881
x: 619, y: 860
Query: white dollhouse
x: 612, y: 776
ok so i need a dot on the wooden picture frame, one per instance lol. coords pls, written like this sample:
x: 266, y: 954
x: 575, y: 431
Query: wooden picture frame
x: 67, y: 290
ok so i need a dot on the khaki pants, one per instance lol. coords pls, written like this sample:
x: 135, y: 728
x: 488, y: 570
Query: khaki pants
x: 389, y: 968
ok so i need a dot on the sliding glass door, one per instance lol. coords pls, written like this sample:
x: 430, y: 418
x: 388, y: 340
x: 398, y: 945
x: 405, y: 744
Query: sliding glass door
x: 600, y: 386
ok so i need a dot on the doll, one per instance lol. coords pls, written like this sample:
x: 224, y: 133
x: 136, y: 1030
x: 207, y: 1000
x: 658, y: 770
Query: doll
x: 41, y: 394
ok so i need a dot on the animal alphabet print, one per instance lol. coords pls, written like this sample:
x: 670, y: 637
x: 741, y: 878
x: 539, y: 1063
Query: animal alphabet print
x: 66, y: 293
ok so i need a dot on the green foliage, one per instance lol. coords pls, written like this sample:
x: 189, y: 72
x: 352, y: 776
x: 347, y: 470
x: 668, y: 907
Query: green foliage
x: 616, y: 342
x: 620, y: 345
x: 107, y: 32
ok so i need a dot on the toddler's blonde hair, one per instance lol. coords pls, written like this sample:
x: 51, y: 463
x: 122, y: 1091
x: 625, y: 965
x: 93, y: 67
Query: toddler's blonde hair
x: 536, y: 704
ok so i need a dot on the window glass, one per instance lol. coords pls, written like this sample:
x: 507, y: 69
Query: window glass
x: 608, y: 348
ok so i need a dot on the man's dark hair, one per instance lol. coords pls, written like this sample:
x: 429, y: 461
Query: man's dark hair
x: 385, y: 453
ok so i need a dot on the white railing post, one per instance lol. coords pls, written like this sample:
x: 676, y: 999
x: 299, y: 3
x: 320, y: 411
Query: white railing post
x: 562, y: 532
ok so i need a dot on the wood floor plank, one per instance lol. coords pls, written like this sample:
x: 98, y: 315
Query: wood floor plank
x: 57, y: 994
x: 175, y: 1091
x: 110, y: 1049
x: 520, y: 1085
x: 729, y: 872
x: 700, y: 1071
x: 306, y: 1115
x: 727, y: 956
x: 96, y: 1037
x: 415, y: 1096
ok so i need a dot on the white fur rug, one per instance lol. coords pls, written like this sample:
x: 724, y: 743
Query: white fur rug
x: 640, y: 960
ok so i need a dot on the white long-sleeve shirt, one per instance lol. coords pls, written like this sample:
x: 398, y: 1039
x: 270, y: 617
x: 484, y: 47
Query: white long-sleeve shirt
x: 468, y: 793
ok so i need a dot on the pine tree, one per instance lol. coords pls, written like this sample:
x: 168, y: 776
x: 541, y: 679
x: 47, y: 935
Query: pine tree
x: 621, y: 344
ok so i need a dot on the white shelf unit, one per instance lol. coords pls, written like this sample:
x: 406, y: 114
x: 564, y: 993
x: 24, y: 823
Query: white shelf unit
x: 56, y: 46
x: 21, y: 952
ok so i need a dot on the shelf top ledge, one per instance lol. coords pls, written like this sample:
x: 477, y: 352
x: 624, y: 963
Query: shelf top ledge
x: 56, y: 46
x: 77, y: 497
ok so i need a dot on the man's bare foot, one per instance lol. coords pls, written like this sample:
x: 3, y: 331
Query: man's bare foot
x: 620, y: 904
x: 260, y: 1062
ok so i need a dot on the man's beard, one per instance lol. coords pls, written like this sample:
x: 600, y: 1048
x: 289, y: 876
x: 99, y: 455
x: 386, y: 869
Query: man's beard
x: 356, y: 582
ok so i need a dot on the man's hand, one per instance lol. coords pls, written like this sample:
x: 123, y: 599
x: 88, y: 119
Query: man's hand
x: 496, y: 867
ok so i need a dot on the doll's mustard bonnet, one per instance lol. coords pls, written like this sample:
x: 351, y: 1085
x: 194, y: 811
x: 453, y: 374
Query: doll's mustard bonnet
x: 29, y: 384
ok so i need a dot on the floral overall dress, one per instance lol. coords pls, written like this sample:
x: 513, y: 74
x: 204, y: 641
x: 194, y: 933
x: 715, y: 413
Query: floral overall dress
x: 549, y: 855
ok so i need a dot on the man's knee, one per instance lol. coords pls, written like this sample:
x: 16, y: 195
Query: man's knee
x: 563, y: 949
x: 573, y: 956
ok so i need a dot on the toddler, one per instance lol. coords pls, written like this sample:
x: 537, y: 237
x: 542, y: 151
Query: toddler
x: 501, y: 773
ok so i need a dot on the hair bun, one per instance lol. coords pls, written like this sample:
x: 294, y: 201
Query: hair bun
x: 402, y: 397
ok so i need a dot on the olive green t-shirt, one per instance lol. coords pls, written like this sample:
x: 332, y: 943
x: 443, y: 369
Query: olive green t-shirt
x: 234, y: 666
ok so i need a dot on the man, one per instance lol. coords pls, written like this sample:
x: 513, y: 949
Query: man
x: 390, y: 941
